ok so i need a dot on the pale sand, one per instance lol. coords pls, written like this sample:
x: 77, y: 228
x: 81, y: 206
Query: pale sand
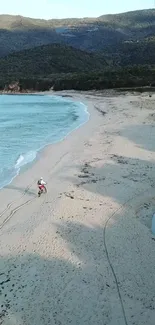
x: 84, y: 253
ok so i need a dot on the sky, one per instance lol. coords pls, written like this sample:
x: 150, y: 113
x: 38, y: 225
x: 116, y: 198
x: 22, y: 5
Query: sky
x: 48, y: 9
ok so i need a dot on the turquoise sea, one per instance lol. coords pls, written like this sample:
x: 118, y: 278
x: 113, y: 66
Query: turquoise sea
x: 30, y: 122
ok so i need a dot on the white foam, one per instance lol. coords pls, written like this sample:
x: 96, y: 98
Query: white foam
x: 24, y: 159
x: 10, y: 172
x: 19, y: 161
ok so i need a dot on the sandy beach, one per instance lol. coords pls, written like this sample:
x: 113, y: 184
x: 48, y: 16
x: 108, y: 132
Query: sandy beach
x: 84, y: 252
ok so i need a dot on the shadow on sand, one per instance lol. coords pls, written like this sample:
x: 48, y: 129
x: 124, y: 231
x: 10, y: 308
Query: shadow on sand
x: 79, y: 290
x: 21, y: 190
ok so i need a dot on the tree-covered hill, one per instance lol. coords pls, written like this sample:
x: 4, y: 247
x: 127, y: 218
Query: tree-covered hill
x: 45, y: 60
x: 91, y: 34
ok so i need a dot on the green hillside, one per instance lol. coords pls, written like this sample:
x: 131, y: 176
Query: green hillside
x: 131, y: 19
x: 131, y: 53
x: 91, y: 34
x: 139, y: 18
x: 47, y: 60
x: 97, y: 53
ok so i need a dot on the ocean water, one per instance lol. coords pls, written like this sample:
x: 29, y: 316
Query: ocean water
x: 30, y: 122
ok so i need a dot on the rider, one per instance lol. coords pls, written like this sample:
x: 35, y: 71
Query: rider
x: 41, y: 184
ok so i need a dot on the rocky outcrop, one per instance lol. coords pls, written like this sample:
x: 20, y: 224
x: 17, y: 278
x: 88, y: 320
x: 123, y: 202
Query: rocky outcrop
x: 14, y: 87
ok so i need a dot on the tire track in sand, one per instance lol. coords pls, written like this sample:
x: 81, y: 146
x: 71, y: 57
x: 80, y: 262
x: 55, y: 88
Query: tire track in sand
x: 120, y: 210
x: 25, y: 192
x: 13, y: 212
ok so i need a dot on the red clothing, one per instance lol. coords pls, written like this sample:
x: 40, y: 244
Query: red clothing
x: 41, y: 187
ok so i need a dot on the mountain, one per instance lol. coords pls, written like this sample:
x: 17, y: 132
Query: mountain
x: 46, y: 60
x: 91, y: 34
x: 110, y: 51
x: 130, y: 53
x: 64, y: 67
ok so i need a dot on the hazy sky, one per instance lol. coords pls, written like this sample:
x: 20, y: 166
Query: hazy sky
x: 70, y: 8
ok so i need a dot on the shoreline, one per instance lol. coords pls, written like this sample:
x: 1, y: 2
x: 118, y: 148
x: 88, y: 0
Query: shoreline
x: 85, y: 250
x: 26, y: 169
x: 40, y: 151
x: 136, y: 89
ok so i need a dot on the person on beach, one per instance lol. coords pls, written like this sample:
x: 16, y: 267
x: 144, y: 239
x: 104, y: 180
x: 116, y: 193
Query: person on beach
x: 41, y: 184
